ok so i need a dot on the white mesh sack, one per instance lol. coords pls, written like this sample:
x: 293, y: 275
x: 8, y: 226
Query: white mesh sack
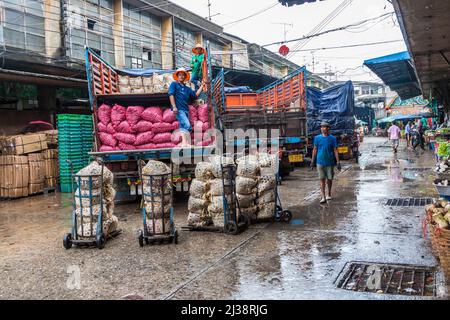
x: 247, y: 158
x: 267, y: 160
x: 245, y: 185
x: 109, y: 193
x: 245, y: 200
x: 217, y: 204
x: 198, y: 188
x: 203, y: 171
x: 266, y: 197
x: 156, y: 189
x: 217, y: 187
x: 194, y: 219
x: 248, y: 168
x: 219, y: 162
x: 95, y: 209
x: 155, y: 167
x: 266, y: 183
x: 93, y: 169
x: 109, y: 225
x: 249, y: 211
x: 82, y: 200
x: 266, y: 210
x: 158, y: 226
x: 218, y: 219
x: 197, y: 204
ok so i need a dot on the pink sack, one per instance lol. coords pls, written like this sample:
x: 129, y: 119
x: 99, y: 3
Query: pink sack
x: 204, y: 143
x: 146, y: 146
x: 175, y: 125
x: 125, y: 138
x: 144, y: 138
x: 133, y: 114
x: 107, y: 139
x: 152, y: 114
x: 200, y: 126
x: 125, y: 146
x: 169, y: 116
x: 102, y: 127
x: 162, y: 127
x: 118, y: 114
x: 165, y: 145
x: 143, y: 126
x: 110, y: 128
x: 104, y: 114
x: 176, y: 137
x: 106, y: 148
x: 162, y: 137
x: 124, y: 127
x: 193, y: 116
x: 203, y: 113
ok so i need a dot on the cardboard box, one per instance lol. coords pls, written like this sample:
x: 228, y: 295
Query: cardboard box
x: 51, y: 136
x: 14, y: 176
x: 37, y: 173
x: 23, y: 144
x: 51, y: 168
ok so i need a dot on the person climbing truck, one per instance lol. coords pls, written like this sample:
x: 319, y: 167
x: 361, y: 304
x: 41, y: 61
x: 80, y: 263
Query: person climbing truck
x: 196, y: 64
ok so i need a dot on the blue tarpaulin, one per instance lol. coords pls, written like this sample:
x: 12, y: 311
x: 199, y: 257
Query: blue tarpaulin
x: 334, y: 105
x: 144, y: 72
x: 241, y: 89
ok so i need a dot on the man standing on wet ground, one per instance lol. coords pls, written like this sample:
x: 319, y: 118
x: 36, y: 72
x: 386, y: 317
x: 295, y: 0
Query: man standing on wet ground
x: 326, y: 157
x: 408, y: 134
x: 394, y: 136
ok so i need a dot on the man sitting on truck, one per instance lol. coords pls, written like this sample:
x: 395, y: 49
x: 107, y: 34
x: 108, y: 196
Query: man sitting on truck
x: 180, y: 95
x: 326, y: 156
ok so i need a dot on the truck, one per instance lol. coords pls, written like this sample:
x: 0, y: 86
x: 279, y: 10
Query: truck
x: 334, y: 105
x: 279, y: 106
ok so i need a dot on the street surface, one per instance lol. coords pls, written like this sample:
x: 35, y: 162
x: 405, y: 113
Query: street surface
x: 300, y: 260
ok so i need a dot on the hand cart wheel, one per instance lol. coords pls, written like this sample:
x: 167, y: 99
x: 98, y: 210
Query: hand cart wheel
x: 245, y: 219
x: 67, y: 241
x: 231, y: 228
x: 100, y: 240
x: 141, y: 238
x: 286, y: 216
x: 175, y: 237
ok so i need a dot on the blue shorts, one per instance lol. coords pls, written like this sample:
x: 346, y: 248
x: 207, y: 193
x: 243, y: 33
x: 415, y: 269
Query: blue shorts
x: 325, y: 172
x: 183, y: 119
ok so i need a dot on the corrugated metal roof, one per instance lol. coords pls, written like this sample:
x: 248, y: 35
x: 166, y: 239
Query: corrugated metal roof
x: 396, y: 71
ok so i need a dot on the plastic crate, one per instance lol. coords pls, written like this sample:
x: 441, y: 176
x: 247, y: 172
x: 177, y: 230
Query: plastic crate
x: 66, y: 187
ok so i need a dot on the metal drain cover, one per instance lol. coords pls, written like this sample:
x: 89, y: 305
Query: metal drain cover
x: 388, y: 279
x: 408, y: 202
x: 417, y: 169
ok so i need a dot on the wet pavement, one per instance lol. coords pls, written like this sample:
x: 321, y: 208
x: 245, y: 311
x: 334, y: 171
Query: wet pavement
x: 300, y: 260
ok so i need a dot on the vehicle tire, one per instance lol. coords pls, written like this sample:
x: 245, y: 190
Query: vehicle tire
x: 231, y: 228
x: 100, y: 240
x: 286, y: 216
x: 175, y: 237
x: 67, y: 241
x: 141, y: 238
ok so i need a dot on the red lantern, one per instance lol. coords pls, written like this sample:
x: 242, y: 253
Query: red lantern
x: 284, y: 50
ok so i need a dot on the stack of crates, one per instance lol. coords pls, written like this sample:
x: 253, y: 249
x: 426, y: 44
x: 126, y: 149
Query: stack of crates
x: 75, y: 136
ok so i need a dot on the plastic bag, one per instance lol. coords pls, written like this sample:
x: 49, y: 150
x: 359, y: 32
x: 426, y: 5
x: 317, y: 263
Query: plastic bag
x: 203, y: 171
x: 126, y: 138
x: 198, y: 188
x: 197, y: 204
x: 143, y: 126
x: 162, y: 137
x: 245, y: 185
x: 169, y: 116
x: 107, y: 139
x: 152, y: 114
x: 118, y: 114
x: 203, y: 112
x: 104, y: 114
x: 144, y: 138
x: 161, y: 127
x: 133, y: 114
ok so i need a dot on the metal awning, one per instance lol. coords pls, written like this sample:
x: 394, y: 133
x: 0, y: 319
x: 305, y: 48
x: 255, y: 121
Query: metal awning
x: 425, y: 25
x: 396, y: 71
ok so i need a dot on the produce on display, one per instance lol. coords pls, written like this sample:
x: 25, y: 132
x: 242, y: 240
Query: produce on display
x: 440, y: 213
x: 444, y: 149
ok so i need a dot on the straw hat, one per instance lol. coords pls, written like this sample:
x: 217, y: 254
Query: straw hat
x: 198, y: 46
x: 175, y: 74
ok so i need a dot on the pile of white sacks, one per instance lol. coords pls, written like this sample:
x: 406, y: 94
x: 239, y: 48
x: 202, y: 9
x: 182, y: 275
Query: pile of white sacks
x: 255, y: 184
x: 90, y: 185
x: 157, y: 196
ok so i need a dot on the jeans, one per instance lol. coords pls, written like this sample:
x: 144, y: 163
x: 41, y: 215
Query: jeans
x: 183, y: 119
x: 195, y: 81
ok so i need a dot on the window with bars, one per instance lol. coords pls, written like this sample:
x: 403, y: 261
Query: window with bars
x: 23, y: 26
x: 184, y: 42
x: 142, y: 38
x: 91, y: 24
x: 216, y: 59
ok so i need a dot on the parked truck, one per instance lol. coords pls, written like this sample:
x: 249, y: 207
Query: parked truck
x: 334, y: 105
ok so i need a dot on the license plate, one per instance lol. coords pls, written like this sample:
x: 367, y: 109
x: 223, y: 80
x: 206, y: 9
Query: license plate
x: 295, y: 158
x: 342, y: 149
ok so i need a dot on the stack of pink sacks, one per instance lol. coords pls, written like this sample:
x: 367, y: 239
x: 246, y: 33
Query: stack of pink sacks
x: 200, y: 122
x: 136, y: 127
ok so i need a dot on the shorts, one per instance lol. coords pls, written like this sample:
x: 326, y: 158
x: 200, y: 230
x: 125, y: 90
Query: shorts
x: 394, y: 143
x: 183, y: 119
x: 325, y: 172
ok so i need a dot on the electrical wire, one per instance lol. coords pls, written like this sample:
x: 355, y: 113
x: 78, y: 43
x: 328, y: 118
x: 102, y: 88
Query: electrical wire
x: 252, y: 15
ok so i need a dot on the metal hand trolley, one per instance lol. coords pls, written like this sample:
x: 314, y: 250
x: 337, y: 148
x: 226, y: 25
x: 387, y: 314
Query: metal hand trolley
x: 159, y: 182
x: 233, y: 221
x: 98, y: 238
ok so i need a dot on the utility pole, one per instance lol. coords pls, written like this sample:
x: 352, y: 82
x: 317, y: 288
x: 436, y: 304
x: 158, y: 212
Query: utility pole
x: 284, y: 27
x: 209, y: 10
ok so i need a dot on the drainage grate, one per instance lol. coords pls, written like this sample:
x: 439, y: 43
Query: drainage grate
x: 388, y: 279
x: 408, y: 202
x: 418, y: 169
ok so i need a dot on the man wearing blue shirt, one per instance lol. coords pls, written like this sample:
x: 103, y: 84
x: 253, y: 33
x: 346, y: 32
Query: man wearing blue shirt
x: 180, y: 95
x: 326, y: 156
